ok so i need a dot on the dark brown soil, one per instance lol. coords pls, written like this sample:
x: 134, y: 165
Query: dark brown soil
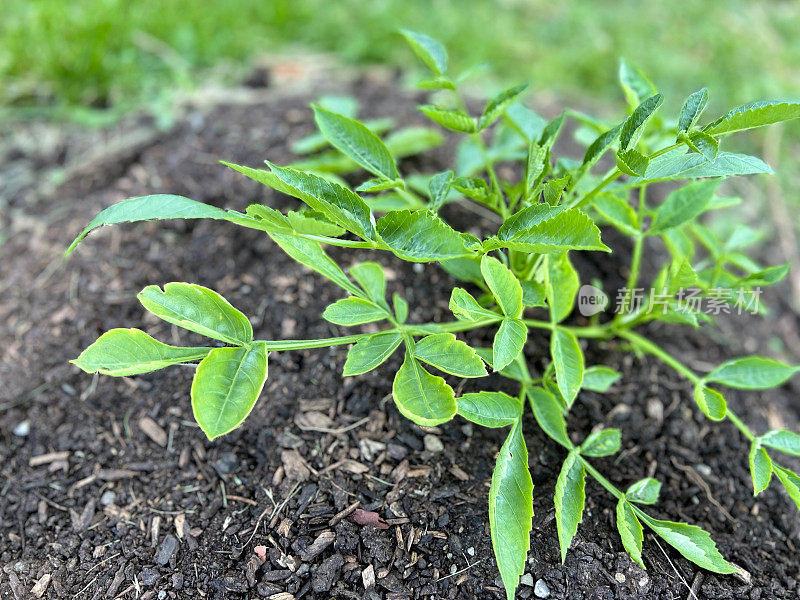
x: 133, y: 502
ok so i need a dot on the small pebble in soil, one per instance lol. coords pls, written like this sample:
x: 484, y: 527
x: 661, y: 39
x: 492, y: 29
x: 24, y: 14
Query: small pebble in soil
x: 433, y: 443
x: 166, y: 550
x: 227, y: 463
x: 471, y: 551
x: 540, y: 590
x: 108, y: 497
x: 467, y: 429
x: 620, y: 577
x: 23, y: 429
x: 526, y: 579
x: 148, y: 576
x: 162, y: 594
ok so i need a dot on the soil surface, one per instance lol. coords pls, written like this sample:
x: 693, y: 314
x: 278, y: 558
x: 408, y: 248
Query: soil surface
x: 109, y: 490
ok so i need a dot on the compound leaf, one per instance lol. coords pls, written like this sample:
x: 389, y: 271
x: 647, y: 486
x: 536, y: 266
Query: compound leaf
x: 644, y: 491
x: 630, y: 531
x: 602, y: 443
x: 755, y: 114
x: 691, y: 541
x: 782, y: 440
x: 356, y: 141
x: 428, y: 50
x: 692, y: 109
x: 569, y: 498
x: 547, y: 411
x: 511, y: 509
x: 450, y: 118
x: 599, y: 378
x: 339, y: 204
x: 420, y: 236
x: 424, y: 398
x: 353, y: 311
x: 370, y: 352
x: 752, y: 373
x: 710, y: 401
x: 197, y: 309
x: 504, y: 285
x: 449, y: 354
x: 121, y: 352
x: 490, y: 409
x: 225, y: 387
x: 568, y: 362
x: 760, y: 467
x: 369, y: 275
x: 508, y: 342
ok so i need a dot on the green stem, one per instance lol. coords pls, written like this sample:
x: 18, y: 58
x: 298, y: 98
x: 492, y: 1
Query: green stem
x: 612, y: 489
x: 647, y: 346
x: 305, y: 344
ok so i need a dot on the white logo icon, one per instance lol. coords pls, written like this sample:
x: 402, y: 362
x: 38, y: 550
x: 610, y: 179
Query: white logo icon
x: 591, y: 300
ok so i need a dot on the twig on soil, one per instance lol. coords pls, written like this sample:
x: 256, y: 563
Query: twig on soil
x: 467, y: 568
x: 674, y: 568
x: 334, y: 431
x: 275, y: 511
x: 697, y: 479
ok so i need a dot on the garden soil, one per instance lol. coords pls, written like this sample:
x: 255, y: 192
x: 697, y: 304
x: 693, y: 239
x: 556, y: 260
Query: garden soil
x: 109, y: 490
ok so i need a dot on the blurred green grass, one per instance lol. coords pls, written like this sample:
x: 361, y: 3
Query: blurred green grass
x: 58, y: 58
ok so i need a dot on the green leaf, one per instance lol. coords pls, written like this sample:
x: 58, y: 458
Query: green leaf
x: 790, y: 481
x: 783, y: 441
x: 421, y: 236
x: 376, y: 184
x: 262, y: 176
x: 428, y: 50
x: 353, y: 311
x: 692, y: 542
x: 634, y: 125
x: 569, y: 498
x: 547, y: 411
x: 504, y: 286
x: 630, y: 531
x: 554, y: 188
x: 159, y: 206
x: 450, y: 118
x: 562, y: 287
x: 570, y: 229
x: 701, y: 142
x: 508, y: 342
x: 532, y: 293
x: 632, y: 162
x: 755, y: 114
x: 490, y: 409
x: 692, y: 109
x: 516, y: 370
x: 535, y: 166
x: 369, y: 275
x: 424, y: 398
x: 644, y: 491
x: 311, y: 254
x: 526, y: 218
x: 451, y: 355
x: 617, y: 212
x: 497, y: 105
x: 760, y: 467
x: 370, y: 352
x: 511, y: 509
x: 602, y: 443
x: 635, y: 84
x: 684, y: 204
x: 599, y: 378
x: 680, y: 165
x: 226, y: 385
x: 465, y: 307
x: 310, y: 222
x: 400, y: 307
x: 353, y: 138
x: 121, y: 352
x: 197, y: 309
x: 752, y: 373
x: 598, y: 147
x: 568, y: 361
x: 439, y: 187
x: 474, y: 188
x: 710, y: 401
